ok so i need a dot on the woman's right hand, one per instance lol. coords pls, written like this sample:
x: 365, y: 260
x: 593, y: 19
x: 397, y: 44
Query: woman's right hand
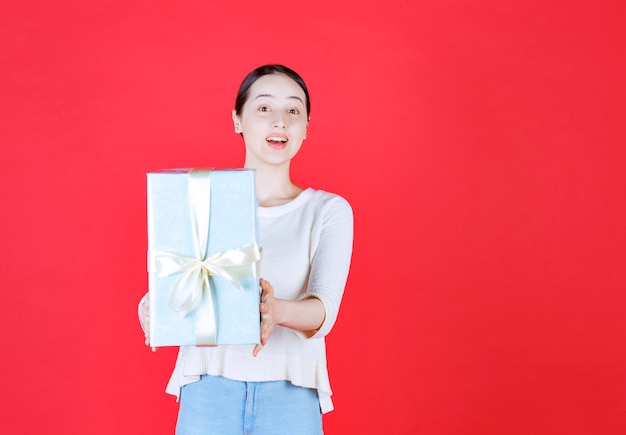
x: 144, y: 318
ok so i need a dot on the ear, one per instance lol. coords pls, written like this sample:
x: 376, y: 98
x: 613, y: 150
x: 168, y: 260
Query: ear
x: 236, y: 122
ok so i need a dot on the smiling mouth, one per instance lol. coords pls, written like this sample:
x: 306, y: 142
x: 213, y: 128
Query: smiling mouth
x: 276, y: 141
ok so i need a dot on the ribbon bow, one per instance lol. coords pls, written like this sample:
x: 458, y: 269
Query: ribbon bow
x: 193, y: 289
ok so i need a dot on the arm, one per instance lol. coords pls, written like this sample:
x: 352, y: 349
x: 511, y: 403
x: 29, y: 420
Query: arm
x: 306, y: 315
x: 315, y: 312
x: 330, y: 261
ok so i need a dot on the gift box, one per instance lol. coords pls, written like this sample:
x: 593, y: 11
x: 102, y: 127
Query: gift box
x: 203, y: 257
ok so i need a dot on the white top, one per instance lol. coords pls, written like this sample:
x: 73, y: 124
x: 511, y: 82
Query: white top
x: 307, y: 246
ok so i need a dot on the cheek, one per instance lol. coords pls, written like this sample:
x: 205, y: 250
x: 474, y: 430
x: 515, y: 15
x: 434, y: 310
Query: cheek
x: 251, y: 126
x: 302, y: 126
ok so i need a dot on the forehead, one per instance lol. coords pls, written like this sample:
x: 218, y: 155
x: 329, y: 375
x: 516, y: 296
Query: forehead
x: 276, y: 86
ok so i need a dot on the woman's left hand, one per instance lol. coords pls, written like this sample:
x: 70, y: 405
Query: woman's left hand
x: 269, y: 314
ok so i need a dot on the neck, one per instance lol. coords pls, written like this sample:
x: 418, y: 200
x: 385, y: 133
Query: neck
x: 273, y: 185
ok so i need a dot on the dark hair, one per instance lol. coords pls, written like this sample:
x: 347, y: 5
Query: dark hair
x: 242, y: 94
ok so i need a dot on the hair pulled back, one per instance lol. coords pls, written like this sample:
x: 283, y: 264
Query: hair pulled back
x: 253, y: 76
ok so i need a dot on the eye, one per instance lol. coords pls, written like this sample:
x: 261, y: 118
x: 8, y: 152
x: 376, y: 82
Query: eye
x: 264, y: 109
x: 294, y: 111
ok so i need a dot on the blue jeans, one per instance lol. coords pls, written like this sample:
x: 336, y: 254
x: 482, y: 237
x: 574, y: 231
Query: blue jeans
x: 219, y: 406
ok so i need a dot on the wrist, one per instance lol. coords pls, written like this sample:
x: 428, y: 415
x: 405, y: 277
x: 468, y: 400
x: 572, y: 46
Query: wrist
x: 281, y: 308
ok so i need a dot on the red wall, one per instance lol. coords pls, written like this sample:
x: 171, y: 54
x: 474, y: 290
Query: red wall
x: 480, y: 143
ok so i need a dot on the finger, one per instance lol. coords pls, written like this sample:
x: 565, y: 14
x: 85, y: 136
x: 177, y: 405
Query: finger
x: 266, y: 286
x: 154, y: 349
x: 267, y: 329
x: 257, y: 349
x: 264, y: 309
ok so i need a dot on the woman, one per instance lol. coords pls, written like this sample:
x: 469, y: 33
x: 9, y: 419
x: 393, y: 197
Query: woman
x: 281, y: 385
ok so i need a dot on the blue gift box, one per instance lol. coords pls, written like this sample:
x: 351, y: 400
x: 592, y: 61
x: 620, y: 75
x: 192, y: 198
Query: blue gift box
x: 203, y: 260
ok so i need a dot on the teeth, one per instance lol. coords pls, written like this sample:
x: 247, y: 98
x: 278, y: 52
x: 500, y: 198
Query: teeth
x: 277, y: 139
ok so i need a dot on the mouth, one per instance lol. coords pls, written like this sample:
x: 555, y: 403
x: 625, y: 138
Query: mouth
x: 277, y: 141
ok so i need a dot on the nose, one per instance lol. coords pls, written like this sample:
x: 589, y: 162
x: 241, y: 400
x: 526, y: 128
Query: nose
x: 278, y: 120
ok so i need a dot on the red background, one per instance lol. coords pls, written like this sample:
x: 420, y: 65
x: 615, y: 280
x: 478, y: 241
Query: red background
x: 480, y: 143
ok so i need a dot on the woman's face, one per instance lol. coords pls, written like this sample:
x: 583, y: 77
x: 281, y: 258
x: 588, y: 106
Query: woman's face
x: 273, y: 120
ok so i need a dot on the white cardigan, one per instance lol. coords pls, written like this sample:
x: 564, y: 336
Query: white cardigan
x: 307, y: 247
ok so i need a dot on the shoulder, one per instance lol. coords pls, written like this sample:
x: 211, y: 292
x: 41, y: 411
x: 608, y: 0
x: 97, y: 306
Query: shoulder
x: 330, y: 208
x: 329, y: 201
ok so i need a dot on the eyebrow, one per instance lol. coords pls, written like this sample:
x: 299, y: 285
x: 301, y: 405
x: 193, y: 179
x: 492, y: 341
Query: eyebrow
x: 294, y: 97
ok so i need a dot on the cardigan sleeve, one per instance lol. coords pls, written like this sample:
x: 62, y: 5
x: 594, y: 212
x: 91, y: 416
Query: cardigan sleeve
x: 330, y: 261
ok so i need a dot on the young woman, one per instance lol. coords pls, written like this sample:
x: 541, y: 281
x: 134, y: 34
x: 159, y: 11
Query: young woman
x: 281, y: 385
